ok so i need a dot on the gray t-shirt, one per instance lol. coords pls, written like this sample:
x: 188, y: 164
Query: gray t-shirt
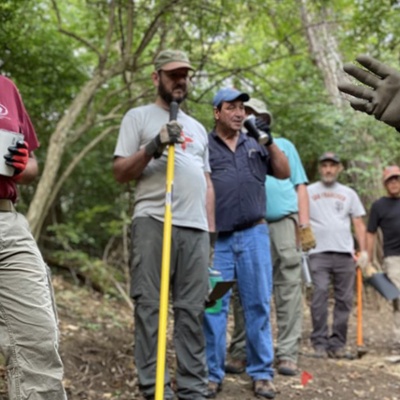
x: 331, y: 210
x: 138, y: 127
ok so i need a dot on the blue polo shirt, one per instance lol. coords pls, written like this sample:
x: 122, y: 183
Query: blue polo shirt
x: 239, y: 181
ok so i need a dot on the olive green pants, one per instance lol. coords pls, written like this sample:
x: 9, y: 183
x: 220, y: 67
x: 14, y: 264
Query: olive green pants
x: 189, y: 287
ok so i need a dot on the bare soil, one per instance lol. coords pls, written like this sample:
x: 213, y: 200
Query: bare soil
x: 97, y: 341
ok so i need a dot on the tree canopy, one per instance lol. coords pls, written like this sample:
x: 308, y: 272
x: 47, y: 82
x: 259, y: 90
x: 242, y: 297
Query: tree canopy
x: 81, y: 64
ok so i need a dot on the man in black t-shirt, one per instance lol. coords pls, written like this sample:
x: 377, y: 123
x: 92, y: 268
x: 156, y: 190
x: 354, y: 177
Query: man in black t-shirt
x: 385, y: 214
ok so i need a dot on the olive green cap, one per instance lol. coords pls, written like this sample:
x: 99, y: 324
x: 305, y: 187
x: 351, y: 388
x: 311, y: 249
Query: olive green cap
x: 168, y: 60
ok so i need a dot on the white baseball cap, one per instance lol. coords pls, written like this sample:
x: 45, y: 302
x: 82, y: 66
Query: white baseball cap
x: 259, y: 107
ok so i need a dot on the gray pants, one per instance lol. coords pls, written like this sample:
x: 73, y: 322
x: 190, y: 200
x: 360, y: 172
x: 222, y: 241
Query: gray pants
x: 339, y: 267
x: 28, y: 325
x: 286, y: 260
x: 189, y: 286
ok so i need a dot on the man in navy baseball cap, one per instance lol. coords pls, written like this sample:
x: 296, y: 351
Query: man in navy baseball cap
x: 229, y: 94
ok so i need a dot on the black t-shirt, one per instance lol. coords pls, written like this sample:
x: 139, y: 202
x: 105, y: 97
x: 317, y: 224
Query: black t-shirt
x: 385, y: 214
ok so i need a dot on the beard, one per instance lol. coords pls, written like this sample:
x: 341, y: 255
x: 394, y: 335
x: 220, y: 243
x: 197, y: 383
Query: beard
x: 328, y: 179
x: 168, y: 97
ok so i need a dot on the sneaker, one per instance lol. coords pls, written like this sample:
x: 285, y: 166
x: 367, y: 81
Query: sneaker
x: 287, y: 368
x: 212, y: 389
x: 235, y: 366
x: 320, y: 352
x: 264, y: 388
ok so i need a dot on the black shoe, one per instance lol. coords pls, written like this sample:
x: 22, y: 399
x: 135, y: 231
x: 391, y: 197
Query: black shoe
x: 212, y: 389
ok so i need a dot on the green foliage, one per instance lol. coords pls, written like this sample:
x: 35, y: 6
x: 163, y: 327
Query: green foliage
x: 91, y: 271
x: 259, y: 46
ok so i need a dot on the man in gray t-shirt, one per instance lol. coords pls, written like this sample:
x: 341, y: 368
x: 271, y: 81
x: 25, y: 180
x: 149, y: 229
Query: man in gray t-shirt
x: 141, y: 155
x: 333, y: 208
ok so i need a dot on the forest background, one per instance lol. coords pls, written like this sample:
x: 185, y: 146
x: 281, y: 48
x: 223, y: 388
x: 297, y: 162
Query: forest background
x: 81, y: 64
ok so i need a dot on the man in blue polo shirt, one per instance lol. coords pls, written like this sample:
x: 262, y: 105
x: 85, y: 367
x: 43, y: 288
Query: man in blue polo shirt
x: 289, y: 224
x: 238, y: 169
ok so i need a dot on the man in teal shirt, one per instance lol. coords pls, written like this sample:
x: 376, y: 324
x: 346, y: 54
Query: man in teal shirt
x: 288, y: 218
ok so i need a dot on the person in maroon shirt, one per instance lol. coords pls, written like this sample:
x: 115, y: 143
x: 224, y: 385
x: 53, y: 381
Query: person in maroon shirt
x: 28, y: 323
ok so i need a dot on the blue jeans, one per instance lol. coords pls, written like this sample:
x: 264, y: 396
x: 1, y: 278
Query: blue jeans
x: 245, y: 256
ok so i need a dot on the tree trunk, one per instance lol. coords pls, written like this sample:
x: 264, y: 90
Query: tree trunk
x: 41, y: 201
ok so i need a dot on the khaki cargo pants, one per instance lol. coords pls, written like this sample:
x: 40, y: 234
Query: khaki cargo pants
x: 28, y: 323
x: 391, y: 265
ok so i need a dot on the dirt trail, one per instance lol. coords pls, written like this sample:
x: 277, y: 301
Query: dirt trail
x: 96, y: 346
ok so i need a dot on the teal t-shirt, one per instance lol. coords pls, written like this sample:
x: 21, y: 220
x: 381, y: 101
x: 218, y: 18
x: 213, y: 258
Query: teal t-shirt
x: 281, y: 193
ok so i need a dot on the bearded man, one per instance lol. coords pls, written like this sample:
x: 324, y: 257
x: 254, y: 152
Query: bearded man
x: 141, y: 155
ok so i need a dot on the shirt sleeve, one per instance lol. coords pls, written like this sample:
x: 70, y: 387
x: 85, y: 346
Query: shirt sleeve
x: 373, y: 221
x: 128, y: 141
x: 357, y: 209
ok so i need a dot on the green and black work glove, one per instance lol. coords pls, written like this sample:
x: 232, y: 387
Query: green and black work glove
x: 170, y: 133
x: 381, y: 96
x: 264, y: 126
x: 18, y: 157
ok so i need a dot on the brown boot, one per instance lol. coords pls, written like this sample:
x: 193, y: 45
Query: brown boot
x: 235, y: 366
x: 264, y: 388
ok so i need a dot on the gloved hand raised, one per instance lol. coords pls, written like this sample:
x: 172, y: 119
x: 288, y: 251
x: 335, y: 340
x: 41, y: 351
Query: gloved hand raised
x: 170, y: 133
x: 18, y: 157
x: 382, y: 97
x: 263, y: 126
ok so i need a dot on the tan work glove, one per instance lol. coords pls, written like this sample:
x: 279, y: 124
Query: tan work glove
x: 307, y: 238
x: 369, y: 270
x: 363, y: 260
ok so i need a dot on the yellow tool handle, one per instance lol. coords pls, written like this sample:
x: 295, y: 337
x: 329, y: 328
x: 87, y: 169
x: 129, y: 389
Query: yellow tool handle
x: 165, y: 268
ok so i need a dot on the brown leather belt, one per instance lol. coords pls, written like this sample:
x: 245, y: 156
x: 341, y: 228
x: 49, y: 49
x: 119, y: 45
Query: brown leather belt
x: 6, y: 205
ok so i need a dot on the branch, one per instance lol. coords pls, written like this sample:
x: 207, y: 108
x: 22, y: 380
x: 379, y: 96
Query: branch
x: 71, y: 34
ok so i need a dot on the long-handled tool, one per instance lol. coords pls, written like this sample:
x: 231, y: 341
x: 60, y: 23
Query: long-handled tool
x: 165, y: 266
x: 361, y: 349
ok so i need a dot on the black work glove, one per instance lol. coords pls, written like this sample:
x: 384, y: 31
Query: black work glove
x: 263, y: 126
x: 18, y: 157
x: 382, y: 97
x: 170, y: 133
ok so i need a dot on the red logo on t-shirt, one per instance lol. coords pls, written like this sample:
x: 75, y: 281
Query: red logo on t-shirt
x: 187, y: 140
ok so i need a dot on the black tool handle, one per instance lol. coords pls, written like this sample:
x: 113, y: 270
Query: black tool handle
x: 173, y: 110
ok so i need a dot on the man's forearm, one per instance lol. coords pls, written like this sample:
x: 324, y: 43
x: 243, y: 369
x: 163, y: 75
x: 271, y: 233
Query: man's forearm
x: 303, y: 204
x: 130, y: 168
x: 279, y: 162
x: 210, y: 204
x: 370, y: 244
